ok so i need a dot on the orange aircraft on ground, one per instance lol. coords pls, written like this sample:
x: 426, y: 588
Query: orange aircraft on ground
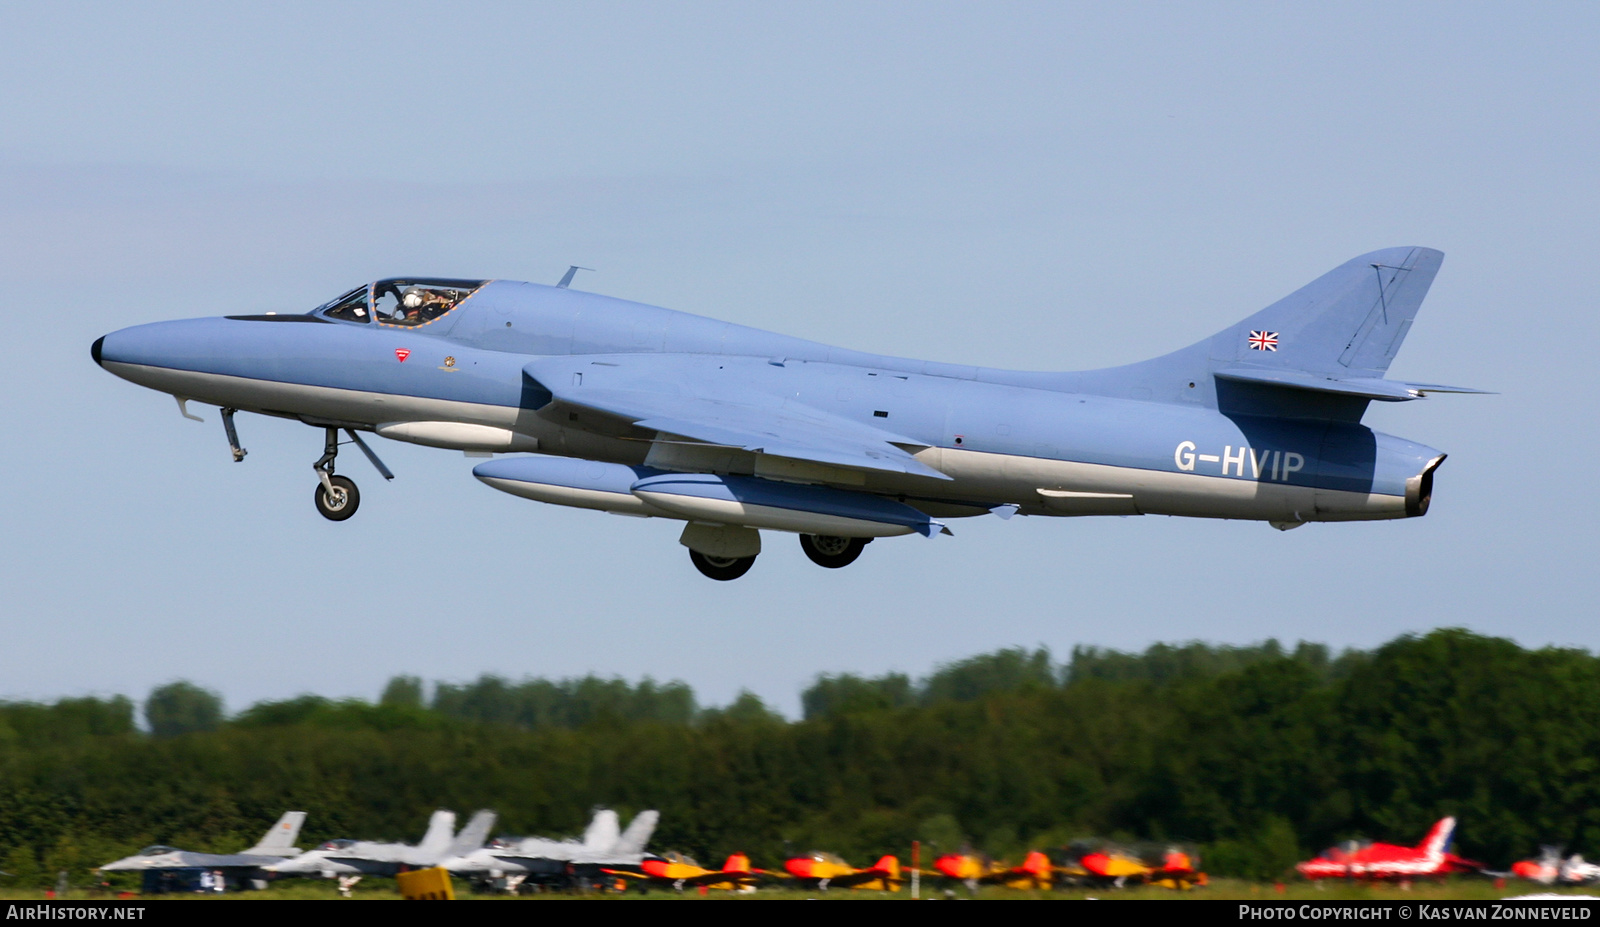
x: 1034, y: 873
x: 1177, y: 871
x: 1104, y: 864
x: 675, y: 870
x: 825, y: 871
x: 1096, y: 864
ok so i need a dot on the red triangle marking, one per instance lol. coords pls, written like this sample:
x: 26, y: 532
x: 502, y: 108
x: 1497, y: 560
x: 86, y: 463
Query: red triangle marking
x: 402, y: 354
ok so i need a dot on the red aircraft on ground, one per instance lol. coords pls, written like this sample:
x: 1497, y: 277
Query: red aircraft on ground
x: 1431, y: 857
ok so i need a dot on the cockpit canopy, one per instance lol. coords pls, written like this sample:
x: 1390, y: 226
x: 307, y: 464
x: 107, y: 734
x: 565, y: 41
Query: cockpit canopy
x: 401, y: 301
x: 158, y: 850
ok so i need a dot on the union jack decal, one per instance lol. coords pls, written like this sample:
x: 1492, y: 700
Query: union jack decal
x: 1264, y: 341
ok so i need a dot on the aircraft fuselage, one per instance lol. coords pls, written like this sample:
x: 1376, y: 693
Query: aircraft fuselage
x: 512, y: 367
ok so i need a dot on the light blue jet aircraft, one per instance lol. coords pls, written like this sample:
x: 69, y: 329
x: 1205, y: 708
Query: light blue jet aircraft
x: 638, y: 410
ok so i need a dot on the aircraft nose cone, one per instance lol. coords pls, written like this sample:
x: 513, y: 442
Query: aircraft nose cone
x: 187, y: 344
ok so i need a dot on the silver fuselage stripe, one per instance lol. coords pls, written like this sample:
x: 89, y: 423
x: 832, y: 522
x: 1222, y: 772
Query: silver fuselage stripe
x: 978, y: 477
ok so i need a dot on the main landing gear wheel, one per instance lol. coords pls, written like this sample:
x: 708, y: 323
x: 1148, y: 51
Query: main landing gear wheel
x: 721, y: 568
x: 825, y: 550
x: 342, y: 502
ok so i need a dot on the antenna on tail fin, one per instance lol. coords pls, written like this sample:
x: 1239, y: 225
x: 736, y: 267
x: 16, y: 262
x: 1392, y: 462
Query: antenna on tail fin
x: 566, y: 278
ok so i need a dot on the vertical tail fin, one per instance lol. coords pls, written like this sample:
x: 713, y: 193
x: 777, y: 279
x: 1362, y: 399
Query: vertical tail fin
x: 1346, y: 325
x: 474, y: 835
x: 637, y: 836
x: 888, y: 864
x: 441, y: 827
x: 280, y: 837
x: 738, y: 862
x: 603, y: 831
x: 1438, y: 839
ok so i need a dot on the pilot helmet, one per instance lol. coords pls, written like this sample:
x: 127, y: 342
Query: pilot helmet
x: 412, y: 297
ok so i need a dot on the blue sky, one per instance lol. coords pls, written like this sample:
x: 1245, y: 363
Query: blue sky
x: 1041, y: 186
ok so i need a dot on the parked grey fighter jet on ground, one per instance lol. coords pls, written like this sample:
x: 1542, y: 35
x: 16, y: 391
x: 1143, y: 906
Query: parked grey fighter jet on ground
x: 169, y: 869
x: 349, y: 860
x: 545, y: 861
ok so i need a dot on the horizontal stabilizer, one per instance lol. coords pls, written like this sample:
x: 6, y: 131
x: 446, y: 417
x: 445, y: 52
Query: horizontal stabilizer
x: 1425, y: 388
x: 1361, y: 387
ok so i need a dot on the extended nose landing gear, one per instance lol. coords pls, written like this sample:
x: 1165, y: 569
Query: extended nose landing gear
x: 337, y: 497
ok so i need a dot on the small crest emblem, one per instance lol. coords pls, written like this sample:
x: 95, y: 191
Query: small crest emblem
x: 401, y: 354
x: 449, y: 361
x: 1263, y: 341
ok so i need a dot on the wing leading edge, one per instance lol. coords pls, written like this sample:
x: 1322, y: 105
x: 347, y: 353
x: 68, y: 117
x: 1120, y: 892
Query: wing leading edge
x: 699, y: 398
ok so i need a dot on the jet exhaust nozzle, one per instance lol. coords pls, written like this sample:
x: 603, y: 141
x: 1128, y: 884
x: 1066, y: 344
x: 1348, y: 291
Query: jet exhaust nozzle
x: 1419, y: 488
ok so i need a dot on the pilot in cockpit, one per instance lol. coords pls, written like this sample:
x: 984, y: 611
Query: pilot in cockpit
x: 422, y: 305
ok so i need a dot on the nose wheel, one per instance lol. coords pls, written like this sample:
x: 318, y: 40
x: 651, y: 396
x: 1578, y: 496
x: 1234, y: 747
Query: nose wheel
x: 338, y: 498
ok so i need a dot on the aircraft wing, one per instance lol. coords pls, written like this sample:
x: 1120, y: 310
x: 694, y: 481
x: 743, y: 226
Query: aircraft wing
x: 731, y: 402
x: 717, y: 877
x: 866, y: 877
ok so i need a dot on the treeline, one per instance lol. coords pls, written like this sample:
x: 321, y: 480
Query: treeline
x: 182, y: 707
x: 1257, y: 755
x: 1018, y: 670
